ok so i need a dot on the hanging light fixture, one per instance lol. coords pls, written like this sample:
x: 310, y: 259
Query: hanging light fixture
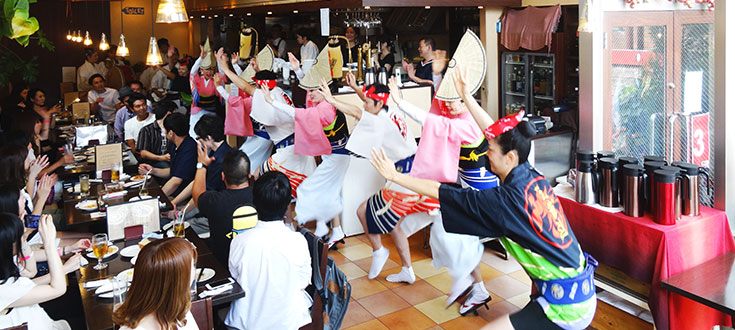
x: 122, y: 49
x: 153, y: 57
x: 87, y: 39
x: 103, y: 43
x: 79, y: 36
x: 68, y: 35
x: 171, y: 11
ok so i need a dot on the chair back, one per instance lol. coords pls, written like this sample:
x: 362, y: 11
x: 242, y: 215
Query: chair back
x: 202, y: 311
x: 318, y: 250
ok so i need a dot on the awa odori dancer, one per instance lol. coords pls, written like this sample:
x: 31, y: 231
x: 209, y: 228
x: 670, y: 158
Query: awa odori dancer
x: 527, y: 216
x: 381, y: 126
x: 279, y: 125
x: 205, y: 98
x: 449, y: 137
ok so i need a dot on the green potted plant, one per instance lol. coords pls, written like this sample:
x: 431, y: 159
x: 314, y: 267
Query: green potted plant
x: 17, y: 24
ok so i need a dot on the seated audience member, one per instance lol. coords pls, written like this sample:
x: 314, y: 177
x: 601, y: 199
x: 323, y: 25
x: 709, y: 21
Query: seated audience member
x: 218, y: 206
x: 126, y: 112
x: 37, y: 102
x: 104, y: 101
x: 159, y: 296
x: 142, y: 118
x: 152, y: 145
x: 20, y: 295
x: 20, y: 172
x: 183, y: 151
x: 29, y: 125
x: 271, y: 263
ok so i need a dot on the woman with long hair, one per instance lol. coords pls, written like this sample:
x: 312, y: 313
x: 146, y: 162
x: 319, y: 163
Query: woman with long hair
x: 33, y: 126
x: 36, y: 101
x: 159, y: 298
x: 19, y: 171
x: 20, y: 295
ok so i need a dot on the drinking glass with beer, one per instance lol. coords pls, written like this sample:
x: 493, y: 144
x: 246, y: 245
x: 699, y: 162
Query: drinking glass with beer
x: 84, y: 185
x: 115, y: 175
x: 179, y: 227
x: 99, y: 247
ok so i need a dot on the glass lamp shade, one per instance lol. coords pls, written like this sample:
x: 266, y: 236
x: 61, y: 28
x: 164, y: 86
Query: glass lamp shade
x: 87, y: 39
x: 79, y: 36
x: 103, y: 43
x: 68, y: 35
x: 153, y: 56
x: 171, y: 11
x: 122, y: 49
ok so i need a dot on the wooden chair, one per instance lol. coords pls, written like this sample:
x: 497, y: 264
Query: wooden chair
x: 23, y: 326
x: 317, y: 309
x: 202, y: 311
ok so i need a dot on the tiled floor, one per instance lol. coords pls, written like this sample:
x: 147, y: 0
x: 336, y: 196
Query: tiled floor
x: 379, y: 304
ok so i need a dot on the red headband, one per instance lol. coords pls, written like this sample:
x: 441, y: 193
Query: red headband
x: 503, y: 125
x: 370, y: 93
x: 271, y: 84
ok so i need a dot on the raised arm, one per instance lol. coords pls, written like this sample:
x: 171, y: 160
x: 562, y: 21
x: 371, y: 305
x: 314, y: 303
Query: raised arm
x: 282, y: 107
x: 352, y: 82
x: 387, y: 169
x: 348, y: 109
x: 411, y: 110
x: 482, y: 118
x: 239, y: 82
x: 296, y: 66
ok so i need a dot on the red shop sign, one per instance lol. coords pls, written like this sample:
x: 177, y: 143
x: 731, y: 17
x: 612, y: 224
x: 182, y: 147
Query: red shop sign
x: 700, y: 139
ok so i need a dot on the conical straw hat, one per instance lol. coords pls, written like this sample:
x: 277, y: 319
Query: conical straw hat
x: 470, y: 55
x: 208, y: 62
x: 320, y: 70
x: 265, y: 62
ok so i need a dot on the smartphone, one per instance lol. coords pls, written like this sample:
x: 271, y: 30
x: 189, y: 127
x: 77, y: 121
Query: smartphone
x: 219, y: 283
x: 31, y: 220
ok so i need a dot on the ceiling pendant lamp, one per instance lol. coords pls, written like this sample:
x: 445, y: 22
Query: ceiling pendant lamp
x: 154, y: 56
x: 171, y: 11
x: 79, y: 36
x: 87, y: 39
x: 68, y: 35
x: 122, y: 49
x: 103, y: 43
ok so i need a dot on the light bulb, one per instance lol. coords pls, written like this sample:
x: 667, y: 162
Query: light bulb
x: 87, y: 39
x: 103, y: 43
x: 122, y: 49
x: 79, y: 36
x: 171, y: 11
x: 153, y: 56
x: 68, y: 35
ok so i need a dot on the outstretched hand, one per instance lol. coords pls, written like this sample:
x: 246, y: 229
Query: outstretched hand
x: 202, y: 53
x: 324, y: 90
x: 221, y: 58
x: 254, y: 64
x: 395, y: 91
x: 383, y: 164
x: 459, y: 83
x: 266, y: 93
x: 351, y: 80
x: 203, y: 154
x: 439, y: 62
x: 234, y: 58
x: 295, y: 64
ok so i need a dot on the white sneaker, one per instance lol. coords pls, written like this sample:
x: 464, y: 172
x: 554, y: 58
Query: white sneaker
x: 460, y: 287
x: 379, y: 258
x: 476, y: 299
x: 405, y: 275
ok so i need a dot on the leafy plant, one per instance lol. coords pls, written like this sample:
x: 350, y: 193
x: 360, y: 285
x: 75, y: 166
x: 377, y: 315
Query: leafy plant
x: 16, y: 24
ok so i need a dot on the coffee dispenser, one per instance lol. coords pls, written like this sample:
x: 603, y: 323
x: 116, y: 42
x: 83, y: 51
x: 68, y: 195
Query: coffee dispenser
x: 650, y: 194
x: 633, y: 177
x: 651, y: 158
x: 667, y: 206
x: 585, y: 185
x: 608, y: 184
x: 605, y: 154
x: 690, y: 187
x: 585, y: 155
x: 622, y: 161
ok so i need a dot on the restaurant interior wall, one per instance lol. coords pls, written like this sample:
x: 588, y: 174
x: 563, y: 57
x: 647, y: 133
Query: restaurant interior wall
x: 137, y: 29
x: 52, y: 19
x: 539, y: 3
x: 724, y: 87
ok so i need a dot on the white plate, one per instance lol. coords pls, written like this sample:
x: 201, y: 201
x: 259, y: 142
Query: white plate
x: 206, y: 275
x: 87, y: 205
x: 89, y: 152
x: 111, y: 250
x: 80, y: 158
x: 130, y: 251
x: 139, y: 177
x: 125, y: 275
x: 132, y: 261
x: 137, y: 198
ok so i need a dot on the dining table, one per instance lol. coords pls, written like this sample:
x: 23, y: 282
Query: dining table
x: 98, y: 311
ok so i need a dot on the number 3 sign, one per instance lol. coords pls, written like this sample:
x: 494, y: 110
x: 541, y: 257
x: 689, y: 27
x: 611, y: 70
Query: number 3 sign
x: 700, y: 140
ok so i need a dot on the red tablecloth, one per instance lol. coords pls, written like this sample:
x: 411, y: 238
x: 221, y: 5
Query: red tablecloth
x: 650, y: 252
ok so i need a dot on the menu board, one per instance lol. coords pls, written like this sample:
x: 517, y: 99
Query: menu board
x: 80, y: 110
x: 141, y: 212
x: 108, y: 157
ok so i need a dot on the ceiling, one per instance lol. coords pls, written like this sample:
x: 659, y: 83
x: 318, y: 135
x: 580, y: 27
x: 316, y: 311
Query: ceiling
x: 276, y: 6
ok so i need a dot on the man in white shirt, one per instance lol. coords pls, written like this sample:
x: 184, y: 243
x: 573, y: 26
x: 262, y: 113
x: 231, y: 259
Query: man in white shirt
x: 271, y: 263
x: 309, y: 51
x: 103, y: 101
x: 89, y: 68
x: 142, y: 118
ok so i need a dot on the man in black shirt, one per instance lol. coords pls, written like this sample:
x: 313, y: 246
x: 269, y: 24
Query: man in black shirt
x: 152, y: 143
x: 423, y: 73
x: 183, y: 151
x: 218, y: 206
